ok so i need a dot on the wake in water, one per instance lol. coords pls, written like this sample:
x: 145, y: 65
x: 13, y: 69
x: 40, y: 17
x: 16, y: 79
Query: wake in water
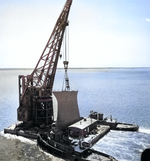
x: 143, y: 130
x: 22, y: 149
x: 125, y: 146
x: 20, y: 138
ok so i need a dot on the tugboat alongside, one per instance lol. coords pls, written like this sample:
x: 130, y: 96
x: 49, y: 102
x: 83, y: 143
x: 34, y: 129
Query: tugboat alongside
x: 70, y: 136
x: 74, y: 151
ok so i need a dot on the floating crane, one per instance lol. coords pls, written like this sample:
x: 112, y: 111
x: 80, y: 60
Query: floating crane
x: 36, y: 107
x: 35, y: 90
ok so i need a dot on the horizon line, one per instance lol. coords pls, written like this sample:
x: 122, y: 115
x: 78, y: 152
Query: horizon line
x: 77, y: 68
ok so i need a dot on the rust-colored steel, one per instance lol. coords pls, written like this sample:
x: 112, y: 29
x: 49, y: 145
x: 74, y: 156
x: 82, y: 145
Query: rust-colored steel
x: 34, y: 88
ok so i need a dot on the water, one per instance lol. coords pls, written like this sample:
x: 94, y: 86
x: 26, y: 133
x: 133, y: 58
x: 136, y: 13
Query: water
x: 123, y: 93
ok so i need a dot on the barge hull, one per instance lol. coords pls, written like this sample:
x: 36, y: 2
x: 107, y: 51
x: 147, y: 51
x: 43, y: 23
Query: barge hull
x: 21, y: 133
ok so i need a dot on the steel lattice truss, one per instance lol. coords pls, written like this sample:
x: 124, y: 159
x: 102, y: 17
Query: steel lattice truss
x: 44, y: 73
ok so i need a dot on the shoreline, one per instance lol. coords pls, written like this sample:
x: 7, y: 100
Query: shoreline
x: 78, y: 68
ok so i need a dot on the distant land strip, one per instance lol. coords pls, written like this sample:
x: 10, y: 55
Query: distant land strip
x: 77, y: 68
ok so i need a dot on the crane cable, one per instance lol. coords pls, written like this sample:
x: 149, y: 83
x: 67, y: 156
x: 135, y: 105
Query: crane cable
x: 66, y: 60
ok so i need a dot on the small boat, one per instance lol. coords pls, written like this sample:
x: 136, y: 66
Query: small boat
x: 114, y: 125
x: 72, y: 151
x: 126, y: 127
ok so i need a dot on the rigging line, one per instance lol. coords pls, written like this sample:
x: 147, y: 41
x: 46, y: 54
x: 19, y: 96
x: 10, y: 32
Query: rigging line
x: 63, y: 49
x: 68, y: 43
x: 65, y: 46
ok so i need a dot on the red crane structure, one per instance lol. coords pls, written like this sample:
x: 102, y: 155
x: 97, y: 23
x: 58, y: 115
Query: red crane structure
x: 35, y: 90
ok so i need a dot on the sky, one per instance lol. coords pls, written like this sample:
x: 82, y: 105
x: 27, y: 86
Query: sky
x: 102, y: 33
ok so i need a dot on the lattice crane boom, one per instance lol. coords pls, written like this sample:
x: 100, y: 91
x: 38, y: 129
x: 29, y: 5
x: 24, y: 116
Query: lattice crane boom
x: 35, y: 90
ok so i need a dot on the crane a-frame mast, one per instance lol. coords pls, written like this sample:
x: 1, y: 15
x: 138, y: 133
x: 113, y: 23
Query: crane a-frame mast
x: 35, y: 90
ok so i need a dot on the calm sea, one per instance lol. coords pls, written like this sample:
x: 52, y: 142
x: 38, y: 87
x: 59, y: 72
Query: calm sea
x: 123, y: 93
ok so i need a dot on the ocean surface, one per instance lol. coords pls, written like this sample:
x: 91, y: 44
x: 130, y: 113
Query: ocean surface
x: 123, y: 93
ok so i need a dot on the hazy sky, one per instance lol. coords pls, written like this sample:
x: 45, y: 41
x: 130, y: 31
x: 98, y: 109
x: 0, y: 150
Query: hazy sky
x: 103, y: 33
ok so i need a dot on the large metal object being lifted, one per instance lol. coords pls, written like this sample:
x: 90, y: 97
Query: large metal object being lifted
x: 35, y: 90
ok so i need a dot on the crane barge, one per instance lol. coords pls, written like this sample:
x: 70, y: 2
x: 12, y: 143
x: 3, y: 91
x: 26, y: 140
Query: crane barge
x: 35, y: 112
